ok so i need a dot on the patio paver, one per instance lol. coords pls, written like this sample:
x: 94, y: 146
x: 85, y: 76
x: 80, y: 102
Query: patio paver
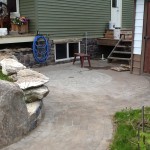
x: 80, y: 106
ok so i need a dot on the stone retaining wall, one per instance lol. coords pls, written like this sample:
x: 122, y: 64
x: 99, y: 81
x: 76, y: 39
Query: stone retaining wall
x: 92, y: 48
x: 25, y: 55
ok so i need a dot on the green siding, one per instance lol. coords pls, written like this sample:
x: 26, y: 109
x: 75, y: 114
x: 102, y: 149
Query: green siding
x: 27, y: 9
x: 72, y: 18
x: 127, y: 13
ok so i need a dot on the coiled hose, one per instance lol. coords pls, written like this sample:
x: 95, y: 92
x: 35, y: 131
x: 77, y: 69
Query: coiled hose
x: 41, y: 50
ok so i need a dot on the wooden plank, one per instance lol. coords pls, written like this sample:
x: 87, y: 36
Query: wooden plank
x: 126, y: 32
x: 109, y: 36
x: 137, y: 64
x: 137, y: 57
x: 119, y: 58
x: 110, y: 31
x: 122, y: 52
x: 147, y: 45
x: 136, y: 71
x: 107, y: 42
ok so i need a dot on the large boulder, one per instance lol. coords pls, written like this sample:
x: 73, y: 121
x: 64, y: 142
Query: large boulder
x: 28, y: 78
x: 35, y: 94
x: 14, y: 121
x: 11, y: 66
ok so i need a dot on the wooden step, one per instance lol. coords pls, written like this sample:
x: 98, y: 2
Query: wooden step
x: 124, y: 40
x: 121, y: 52
x: 123, y: 46
x: 118, y: 58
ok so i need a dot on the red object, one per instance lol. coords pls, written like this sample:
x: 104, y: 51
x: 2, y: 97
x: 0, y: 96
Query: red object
x: 82, y: 57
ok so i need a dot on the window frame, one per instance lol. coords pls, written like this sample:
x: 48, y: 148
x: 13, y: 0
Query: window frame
x: 17, y: 13
x: 67, y: 46
x: 13, y: 14
x: 115, y: 5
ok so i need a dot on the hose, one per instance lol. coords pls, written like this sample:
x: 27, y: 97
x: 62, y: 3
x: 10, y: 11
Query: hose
x: 41, y: 52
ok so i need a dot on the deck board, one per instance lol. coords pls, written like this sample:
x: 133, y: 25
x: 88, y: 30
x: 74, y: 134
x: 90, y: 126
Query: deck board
x: 107, y: 41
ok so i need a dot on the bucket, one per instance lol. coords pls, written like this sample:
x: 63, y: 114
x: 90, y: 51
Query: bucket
x: 111, y: 25
x: 117, y: 33
x: 3, y: 31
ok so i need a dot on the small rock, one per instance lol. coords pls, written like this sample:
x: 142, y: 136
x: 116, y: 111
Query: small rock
x: 4, y: 55
x: 13, y: 77
x: 36, y: 94
x: 11, y: 66
x: 28, y: 78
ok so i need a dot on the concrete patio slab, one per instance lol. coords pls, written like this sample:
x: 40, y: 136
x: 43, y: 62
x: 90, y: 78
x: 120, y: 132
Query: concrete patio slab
x: 81, y: 104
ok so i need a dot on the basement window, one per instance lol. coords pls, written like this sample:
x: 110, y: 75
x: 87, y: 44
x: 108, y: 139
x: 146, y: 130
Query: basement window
x: 61, y: 51
x: 73, y: 48
x: 65, y: 51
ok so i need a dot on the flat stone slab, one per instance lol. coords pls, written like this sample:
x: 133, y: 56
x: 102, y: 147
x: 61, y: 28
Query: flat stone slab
x: 11, y: 66
x: 35, y: 94
x: 36, y: 112
x: 28, y: 78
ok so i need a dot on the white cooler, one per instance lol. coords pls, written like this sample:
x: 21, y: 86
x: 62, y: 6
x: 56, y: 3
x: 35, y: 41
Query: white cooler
x: 3, y: 31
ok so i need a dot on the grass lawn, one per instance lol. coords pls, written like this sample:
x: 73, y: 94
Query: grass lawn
x: 126, y: 136
x: 3, y: 77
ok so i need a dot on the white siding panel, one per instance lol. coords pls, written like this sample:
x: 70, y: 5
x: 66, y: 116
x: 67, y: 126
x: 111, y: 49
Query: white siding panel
x: 138, y: 30
x: 138, y: 37
x: 138, y: 23
x: 139, y: 16
x: 137, y: 43
x: 139, y: 8
x: 136, y: 50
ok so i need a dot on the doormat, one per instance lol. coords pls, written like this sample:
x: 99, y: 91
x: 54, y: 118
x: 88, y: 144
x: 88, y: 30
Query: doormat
x: 121, y: 68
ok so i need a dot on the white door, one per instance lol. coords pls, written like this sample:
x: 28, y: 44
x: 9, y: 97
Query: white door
x: 116, y: 12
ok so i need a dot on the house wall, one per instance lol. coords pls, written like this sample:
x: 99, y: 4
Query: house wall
x: 28, y: 9
x: 72, y: 18
x: 127, y: 13
x: 138, y: 36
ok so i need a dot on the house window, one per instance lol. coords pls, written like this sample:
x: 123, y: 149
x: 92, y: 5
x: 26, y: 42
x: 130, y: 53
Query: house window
x: 13, y: 6
x: 73, y: 48
x: 114, y: 3
x: 65, y: 51
x: 61, y: 51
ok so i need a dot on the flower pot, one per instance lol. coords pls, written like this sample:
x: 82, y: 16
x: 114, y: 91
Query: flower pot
x: 20, y: 28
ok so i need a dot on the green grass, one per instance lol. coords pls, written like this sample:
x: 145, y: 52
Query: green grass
x: 126, y: 123
x: 3, y: 77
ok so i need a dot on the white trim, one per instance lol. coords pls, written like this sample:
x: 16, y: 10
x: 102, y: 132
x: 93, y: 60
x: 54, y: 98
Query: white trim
x: 79, y: 46
x: 13, y: 39
x: 138, y: 28
x: 17, y: 13
x: 67, y: 50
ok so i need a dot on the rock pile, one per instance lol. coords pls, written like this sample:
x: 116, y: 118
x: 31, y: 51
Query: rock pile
x: 20, y: 102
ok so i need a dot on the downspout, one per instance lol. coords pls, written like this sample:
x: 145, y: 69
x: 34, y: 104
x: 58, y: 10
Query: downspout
x: 36, y: 15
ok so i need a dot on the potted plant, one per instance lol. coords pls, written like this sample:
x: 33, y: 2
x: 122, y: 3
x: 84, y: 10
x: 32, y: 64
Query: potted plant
x: 20, y: 24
